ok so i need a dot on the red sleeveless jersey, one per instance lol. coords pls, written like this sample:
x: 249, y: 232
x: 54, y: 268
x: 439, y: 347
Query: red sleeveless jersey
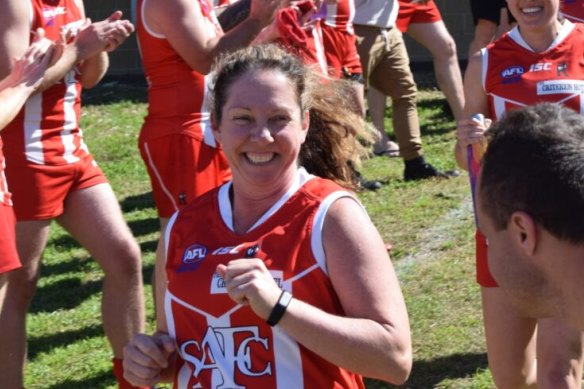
x: 515, y: 76
x: 223, y: 344
x: 46, y: 131
x: 177, y: 95
x: 573, y: 10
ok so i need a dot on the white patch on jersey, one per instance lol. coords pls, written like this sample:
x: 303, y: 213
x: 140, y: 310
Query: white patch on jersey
x: 552, y: 87
x: 218, y: 283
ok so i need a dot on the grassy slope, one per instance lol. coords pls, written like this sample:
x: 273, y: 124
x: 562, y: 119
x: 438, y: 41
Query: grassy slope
x: 429, y: 223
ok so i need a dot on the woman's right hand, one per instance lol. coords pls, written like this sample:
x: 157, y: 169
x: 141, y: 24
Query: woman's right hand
x: 471, y: 131
x: 145, y: 358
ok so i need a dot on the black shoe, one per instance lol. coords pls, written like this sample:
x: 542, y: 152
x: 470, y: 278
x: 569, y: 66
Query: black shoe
x: 419, y: 169
x: 370, y: 185
x: 366, y: 184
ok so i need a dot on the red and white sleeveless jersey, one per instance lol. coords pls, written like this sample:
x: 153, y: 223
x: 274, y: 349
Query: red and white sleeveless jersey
x: 225, y: 345
x: 4, y: 193
x: 339, y: 15
x: 573, y: 10
x: 46, y: 131
x: 178, y: 101
x: 515, y: 76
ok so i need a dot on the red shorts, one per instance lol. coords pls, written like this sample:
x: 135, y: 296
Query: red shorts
x: 416, y: 13
x: 182, y: 168
x: 39, y: 191
x: 340, y: 49
x: 484, y: 276
x: 8, y: 254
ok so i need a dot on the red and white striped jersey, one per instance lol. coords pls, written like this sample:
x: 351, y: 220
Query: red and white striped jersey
x: 4, y: 193
x: 46, y: 131
x: 178, y: 101
x: 573, y: 10
x: 515, y: 76
x: 223, y: 344
x: 339, y: 14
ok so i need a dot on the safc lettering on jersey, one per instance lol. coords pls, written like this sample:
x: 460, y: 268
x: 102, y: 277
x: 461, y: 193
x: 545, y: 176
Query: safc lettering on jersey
x: 225, y: 353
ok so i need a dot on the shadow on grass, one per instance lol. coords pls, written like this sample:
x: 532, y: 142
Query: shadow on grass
x: 47, y: 343
x: 64, y: 294
x: 97, y: 382
x: 428, y: 374
x: 110, y: 92
x: 137, y: 202
x: 72, y: 292
x: 144, y: 226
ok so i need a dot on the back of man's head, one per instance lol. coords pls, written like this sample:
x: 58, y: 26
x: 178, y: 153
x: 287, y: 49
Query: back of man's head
x: 535, y: 163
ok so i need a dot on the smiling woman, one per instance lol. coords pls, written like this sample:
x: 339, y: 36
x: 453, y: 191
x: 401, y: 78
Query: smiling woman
x: 292, y: 315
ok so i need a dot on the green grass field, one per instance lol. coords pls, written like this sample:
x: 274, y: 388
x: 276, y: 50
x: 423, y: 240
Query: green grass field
x: 429, y: 224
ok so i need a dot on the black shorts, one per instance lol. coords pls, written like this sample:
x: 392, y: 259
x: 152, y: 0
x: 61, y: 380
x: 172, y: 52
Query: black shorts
x: 489, y: 10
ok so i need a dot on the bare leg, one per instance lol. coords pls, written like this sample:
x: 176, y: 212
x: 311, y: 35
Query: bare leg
x: 436, y: 38
x: 376, y: 102
x: 510, y: 342
x: 31, y: 238
x: 110, y: 242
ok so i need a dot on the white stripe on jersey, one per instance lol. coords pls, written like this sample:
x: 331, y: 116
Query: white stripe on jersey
x: 33, y: 144
x: 288, y: 360
x: 70, y: 119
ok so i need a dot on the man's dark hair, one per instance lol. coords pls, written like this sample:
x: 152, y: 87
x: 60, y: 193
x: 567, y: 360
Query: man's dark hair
x: 535, y: 163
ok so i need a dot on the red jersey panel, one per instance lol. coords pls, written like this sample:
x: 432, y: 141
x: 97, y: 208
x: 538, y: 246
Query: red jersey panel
x: 177, y: 95
x: 46, y: 131
x: 515, y: 76
x: 223, y: 344
x: 573, y: 10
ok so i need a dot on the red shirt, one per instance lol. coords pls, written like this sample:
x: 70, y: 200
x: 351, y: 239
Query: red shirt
x: 223, y: 344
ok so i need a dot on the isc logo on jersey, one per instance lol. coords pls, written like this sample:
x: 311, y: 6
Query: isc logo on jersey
x: 192, y: 257
x: 512, y: 74
x: 540, y: 67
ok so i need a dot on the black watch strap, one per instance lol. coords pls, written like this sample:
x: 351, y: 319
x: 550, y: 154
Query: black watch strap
x: 280, y: 308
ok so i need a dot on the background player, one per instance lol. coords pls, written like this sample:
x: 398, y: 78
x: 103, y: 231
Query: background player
x: 53, y: 175
x: 539, y: 60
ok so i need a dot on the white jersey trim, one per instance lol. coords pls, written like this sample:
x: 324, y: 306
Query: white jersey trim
x: 145, y: 24
x: 484, y: 67
x: 565, y: 30
x: 225, y: 208
x: 316, y: 240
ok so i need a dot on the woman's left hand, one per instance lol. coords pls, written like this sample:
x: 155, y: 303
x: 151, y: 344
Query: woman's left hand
x: 249, y: 282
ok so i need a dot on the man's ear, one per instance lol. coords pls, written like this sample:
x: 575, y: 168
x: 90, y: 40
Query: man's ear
x: 524, y: 230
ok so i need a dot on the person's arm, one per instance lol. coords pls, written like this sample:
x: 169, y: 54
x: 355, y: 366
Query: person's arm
x: 373, y: 339
x: 14, y: 33
x: 27, y: 73
x: 148, y: 359
x: 470, y: 131
x: 183, y: 24
x: 110, y: 33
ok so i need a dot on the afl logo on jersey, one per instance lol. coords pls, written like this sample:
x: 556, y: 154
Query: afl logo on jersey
x: 192, y: 257
x: 512, y: 73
